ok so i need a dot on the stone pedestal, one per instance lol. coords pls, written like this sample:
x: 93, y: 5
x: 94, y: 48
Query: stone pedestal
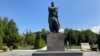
x: 57, y: 53
x: 55, y: 47
x: 55, y: 42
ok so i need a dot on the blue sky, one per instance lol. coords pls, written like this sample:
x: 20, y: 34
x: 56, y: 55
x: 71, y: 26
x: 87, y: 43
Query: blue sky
x: 33, y: 14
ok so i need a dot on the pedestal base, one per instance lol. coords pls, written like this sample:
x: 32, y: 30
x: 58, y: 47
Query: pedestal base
x: 57, y: 53
x: 55, y: 42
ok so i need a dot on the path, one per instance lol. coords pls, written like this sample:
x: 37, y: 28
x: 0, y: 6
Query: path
x: 29, y: 53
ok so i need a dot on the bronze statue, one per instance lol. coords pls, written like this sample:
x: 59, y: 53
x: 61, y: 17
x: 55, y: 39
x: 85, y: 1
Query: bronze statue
x: 53, y: 18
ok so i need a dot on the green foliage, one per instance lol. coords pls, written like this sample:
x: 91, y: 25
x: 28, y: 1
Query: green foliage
x: 36, y: 44
x: 1, y: 33
x: 81, y: 37
x: 76, y: 37
x: 44, y: 34
x: 76, y: 47
x: 90, y: 36
x: 10, y: 32
x: 5, y: 48
x: 15, y: 46
x: 42, y: 43
x: 29, y: 47
x: 98, y: 41
x: 9, y: 35
x: 72, y: 37
x: 1, y: 42
x: 22, y: 42
x: 39, y: 41
x: 30, y: 38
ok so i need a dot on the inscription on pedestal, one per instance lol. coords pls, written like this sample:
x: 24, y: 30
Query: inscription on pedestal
x: 55, y: 42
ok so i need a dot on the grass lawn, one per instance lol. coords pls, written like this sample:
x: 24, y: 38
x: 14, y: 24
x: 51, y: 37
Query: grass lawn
x: 79, y: 46
x: 29, y: 47
x: 75, y: 47
x: 96, y: 46
x: 1, y: 51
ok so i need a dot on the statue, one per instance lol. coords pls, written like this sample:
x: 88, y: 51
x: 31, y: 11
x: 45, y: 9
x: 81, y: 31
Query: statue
x: 53, y: 18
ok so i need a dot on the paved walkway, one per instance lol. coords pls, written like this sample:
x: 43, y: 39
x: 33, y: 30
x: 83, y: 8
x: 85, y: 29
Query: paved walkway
x: 18, y: 53
x: 91, y: 54
x: 29, y: 52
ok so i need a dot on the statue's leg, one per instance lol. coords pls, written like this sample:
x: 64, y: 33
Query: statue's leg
x: 55, y: 25
x: 51, y: 26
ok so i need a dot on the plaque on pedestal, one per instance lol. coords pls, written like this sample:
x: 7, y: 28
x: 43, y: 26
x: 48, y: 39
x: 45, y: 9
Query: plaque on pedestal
x: 55, y: 42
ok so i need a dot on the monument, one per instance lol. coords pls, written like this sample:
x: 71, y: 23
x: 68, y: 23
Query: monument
x: 53, y: 18
x: 55, y: 40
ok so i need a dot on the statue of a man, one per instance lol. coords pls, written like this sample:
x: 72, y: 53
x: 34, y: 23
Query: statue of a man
x: 53, y: 18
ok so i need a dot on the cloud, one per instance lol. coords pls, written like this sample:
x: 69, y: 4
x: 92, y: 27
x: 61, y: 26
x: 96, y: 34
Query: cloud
x: 95, y: 29
x: 61, y: 30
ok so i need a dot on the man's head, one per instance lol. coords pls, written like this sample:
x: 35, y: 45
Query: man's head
x: 52, y: 4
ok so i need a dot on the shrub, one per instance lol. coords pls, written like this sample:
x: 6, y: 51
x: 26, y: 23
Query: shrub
x: 15, y: 46
x: 5, y: 48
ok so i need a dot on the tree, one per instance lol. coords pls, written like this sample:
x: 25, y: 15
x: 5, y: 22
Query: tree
x: 81, y: 37
x: 1, y: 33
x: 90, y: 36
x: 22, y: 38
x: 71, y: 37
x: 76, y: 37
x: 39, y: 41
x: 5, y: 30
x: 65, y: 35
x: 98, y: 41
x: 11, y: 35
x: 44, y: 33
x: 30, y: 38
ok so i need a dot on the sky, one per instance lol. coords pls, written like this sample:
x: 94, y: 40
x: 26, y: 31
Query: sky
x: 33, y: 14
